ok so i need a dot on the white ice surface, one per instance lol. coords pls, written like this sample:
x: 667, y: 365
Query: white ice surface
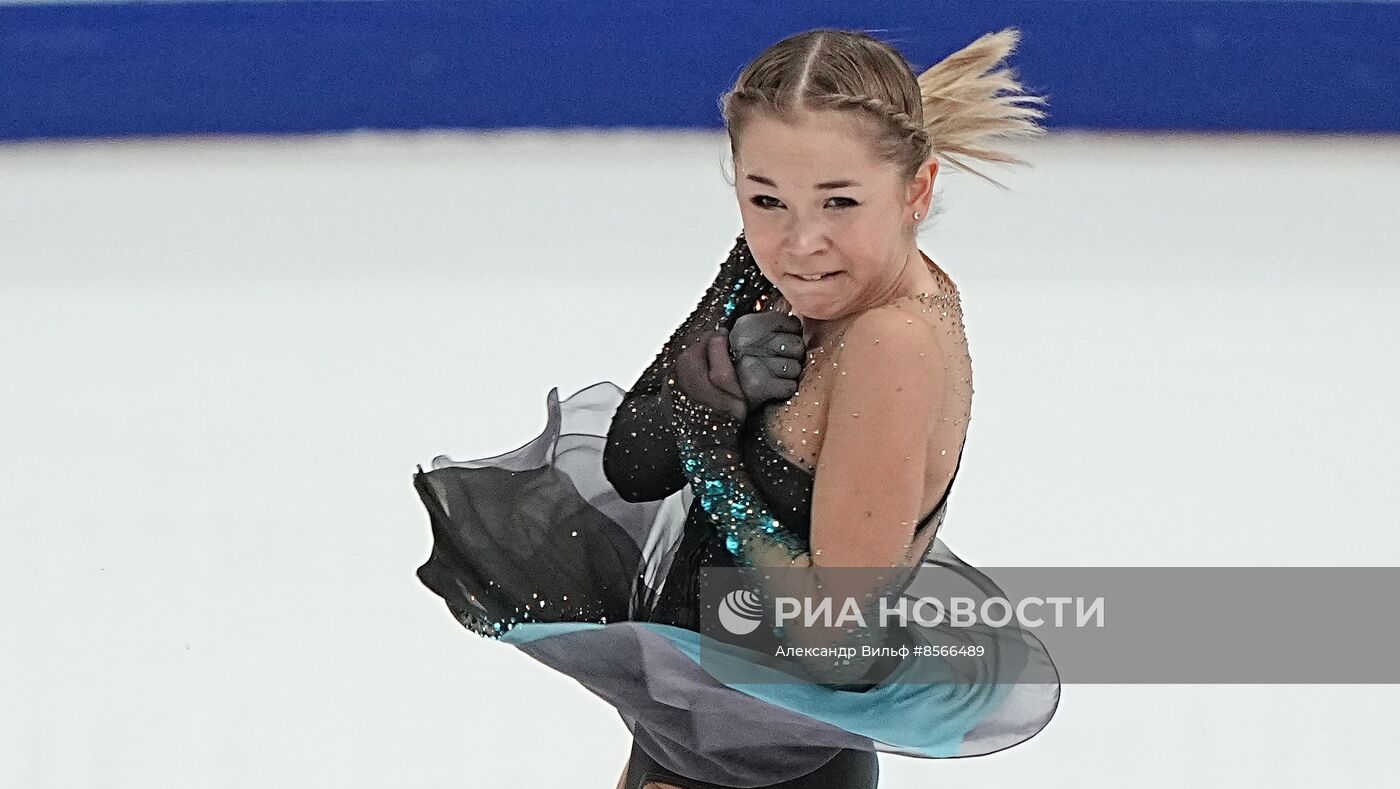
x: 221, y: 359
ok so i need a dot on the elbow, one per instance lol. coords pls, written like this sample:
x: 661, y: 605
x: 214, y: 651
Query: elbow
x: 624, y: 485
x: 637, y: 493
x: 625, y: 477
x: 639, y: 469
x: 614, y: 454
x: 636, y: 484
x: 634, y: 496
x: 612, y: 462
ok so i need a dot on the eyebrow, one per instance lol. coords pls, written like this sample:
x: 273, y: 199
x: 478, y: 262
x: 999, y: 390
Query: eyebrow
x: 841, y: 184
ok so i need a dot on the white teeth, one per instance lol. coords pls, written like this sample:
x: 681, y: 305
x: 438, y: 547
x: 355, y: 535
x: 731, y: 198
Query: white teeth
x: 812, y: 278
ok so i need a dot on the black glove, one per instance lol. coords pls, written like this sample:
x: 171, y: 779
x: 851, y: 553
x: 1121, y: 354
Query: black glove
x: 705, y: 376
x: 767, y: 351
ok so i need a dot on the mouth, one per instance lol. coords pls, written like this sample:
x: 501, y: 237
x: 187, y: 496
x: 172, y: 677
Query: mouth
x: 814, y: 277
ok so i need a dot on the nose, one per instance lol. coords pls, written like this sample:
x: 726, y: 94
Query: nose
x: 806, y: 235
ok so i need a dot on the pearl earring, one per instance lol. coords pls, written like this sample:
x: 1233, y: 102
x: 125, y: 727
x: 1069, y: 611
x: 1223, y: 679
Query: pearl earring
x: 916, y: 216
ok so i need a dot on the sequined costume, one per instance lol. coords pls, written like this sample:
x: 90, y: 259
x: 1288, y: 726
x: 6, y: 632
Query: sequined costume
x: 583, y: 548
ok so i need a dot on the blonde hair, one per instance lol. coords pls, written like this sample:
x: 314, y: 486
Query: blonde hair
x: 956, y: 110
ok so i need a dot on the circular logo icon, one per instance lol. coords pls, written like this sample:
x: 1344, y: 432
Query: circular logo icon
x: 740, y: 612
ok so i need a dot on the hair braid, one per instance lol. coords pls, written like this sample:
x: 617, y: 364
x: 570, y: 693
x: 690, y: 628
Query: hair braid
x: 956, y: 110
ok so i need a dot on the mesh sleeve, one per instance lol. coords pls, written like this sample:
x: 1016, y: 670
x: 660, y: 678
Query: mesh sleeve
x: 641, y: 459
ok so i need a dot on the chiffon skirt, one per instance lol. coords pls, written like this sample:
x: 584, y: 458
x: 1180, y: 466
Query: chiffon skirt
x: 536, y: 549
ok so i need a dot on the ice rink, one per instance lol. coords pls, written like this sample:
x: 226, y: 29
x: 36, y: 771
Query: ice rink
x: 223, y: 359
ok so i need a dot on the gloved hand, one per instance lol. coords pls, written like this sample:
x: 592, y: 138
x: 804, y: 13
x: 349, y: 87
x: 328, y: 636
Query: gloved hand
x: 706, y: 406
x: 767, y: 350
x: 706, y: 378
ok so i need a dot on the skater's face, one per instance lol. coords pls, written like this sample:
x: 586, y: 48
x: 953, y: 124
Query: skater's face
x: 816, y: 199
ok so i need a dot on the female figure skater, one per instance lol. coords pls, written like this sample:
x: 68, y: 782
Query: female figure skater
x: 809, y: 413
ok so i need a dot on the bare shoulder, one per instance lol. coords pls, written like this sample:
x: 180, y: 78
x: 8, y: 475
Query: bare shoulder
x: 890, y: 333
x: 887, y: 359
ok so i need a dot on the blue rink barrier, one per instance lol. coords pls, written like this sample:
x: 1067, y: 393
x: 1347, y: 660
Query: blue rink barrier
x: 104, y: 70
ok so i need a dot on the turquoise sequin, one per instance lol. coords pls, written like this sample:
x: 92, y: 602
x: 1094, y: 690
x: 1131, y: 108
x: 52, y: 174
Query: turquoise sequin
x: 722, y: 484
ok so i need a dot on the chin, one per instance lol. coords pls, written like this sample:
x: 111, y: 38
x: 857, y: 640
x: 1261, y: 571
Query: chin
x: 822, y: 310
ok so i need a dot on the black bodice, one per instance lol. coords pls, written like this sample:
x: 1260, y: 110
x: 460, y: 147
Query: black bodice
x: 785, y: 487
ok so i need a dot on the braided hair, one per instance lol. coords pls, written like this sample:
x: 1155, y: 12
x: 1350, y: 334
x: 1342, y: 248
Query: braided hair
x: 955, y: 111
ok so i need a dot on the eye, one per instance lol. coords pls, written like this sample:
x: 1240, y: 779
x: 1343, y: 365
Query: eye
x: 763, y: 201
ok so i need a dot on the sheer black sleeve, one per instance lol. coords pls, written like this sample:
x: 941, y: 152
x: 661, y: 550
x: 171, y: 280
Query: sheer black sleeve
x: 641, y: 458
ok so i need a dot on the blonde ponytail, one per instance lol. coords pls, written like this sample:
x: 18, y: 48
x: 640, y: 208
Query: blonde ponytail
x: 967, y: 109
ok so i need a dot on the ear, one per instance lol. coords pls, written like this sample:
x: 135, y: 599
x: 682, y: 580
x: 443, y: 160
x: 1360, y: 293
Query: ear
x: 920, y: 192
